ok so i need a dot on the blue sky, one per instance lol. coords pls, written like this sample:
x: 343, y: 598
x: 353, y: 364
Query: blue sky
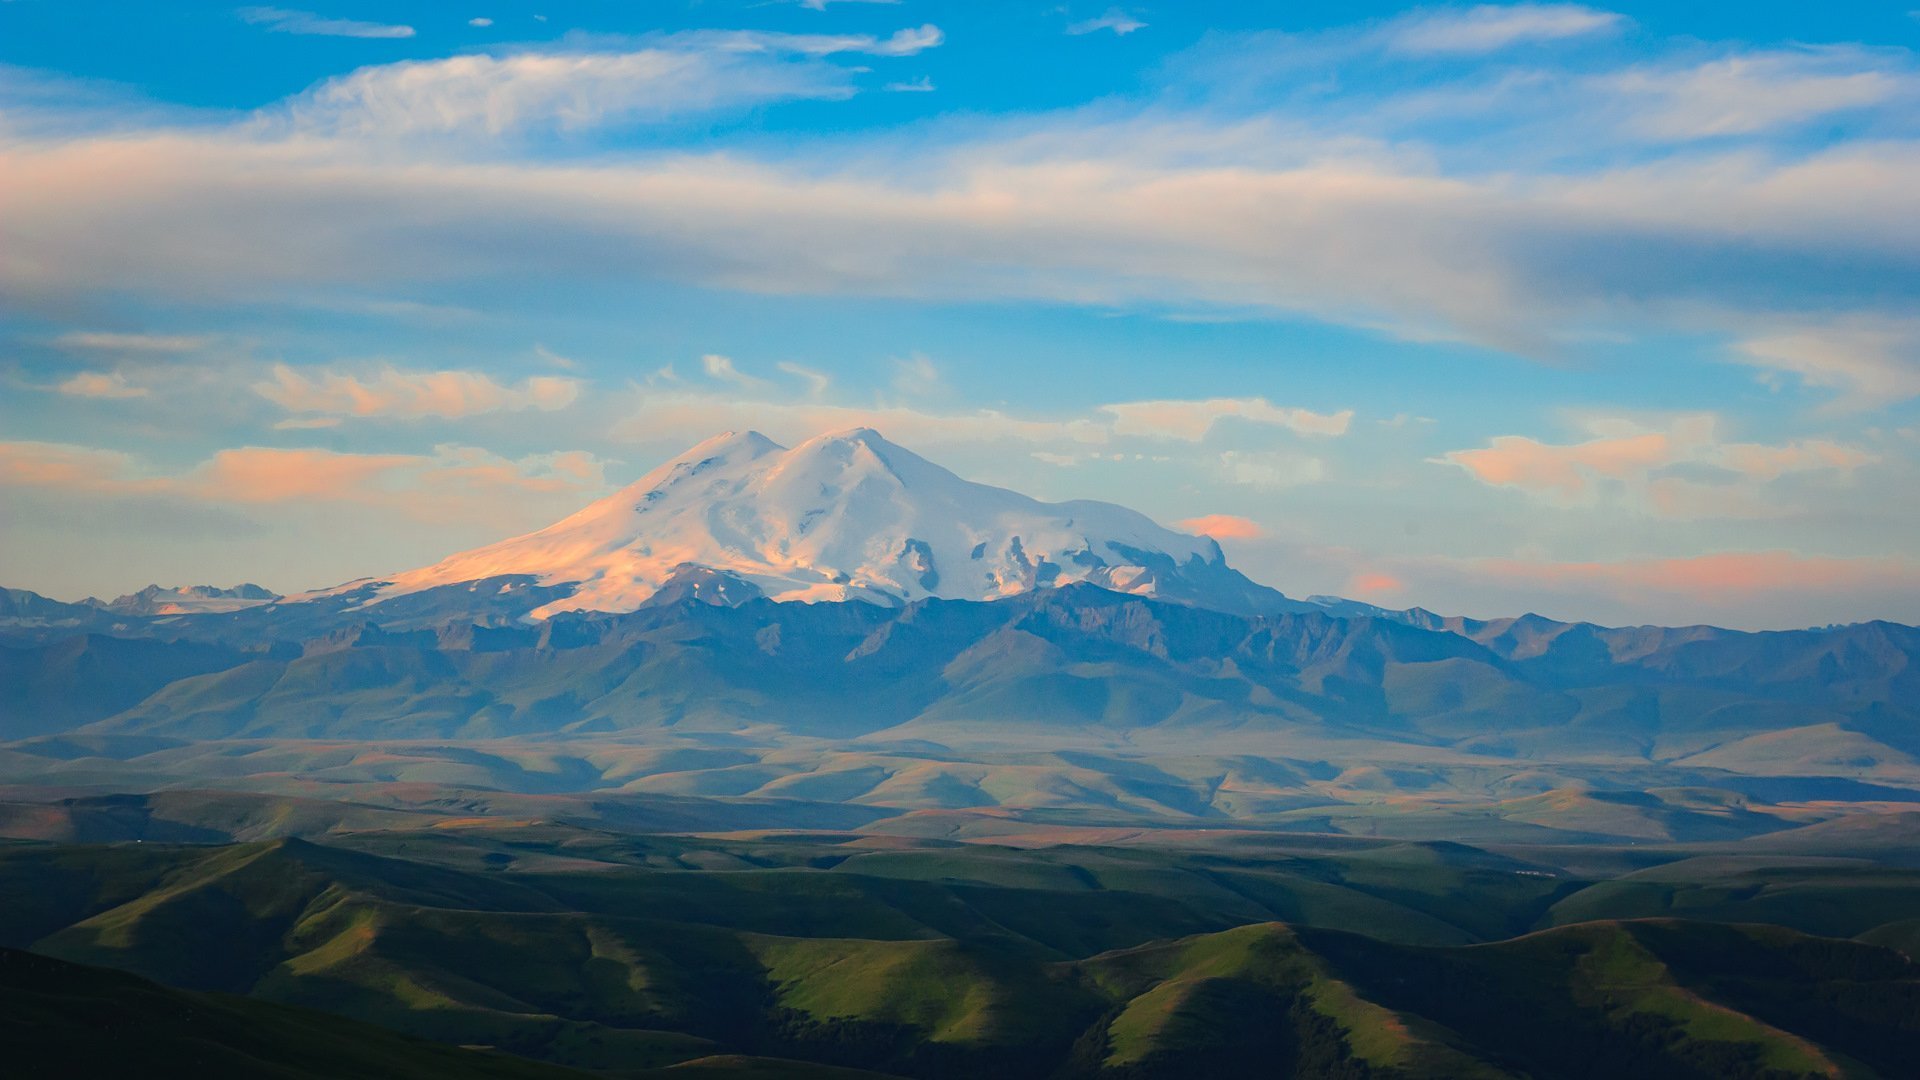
x: 1606, y: 312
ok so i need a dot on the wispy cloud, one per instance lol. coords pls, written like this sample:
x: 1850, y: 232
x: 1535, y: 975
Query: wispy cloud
x: 288, y: 21
x: 548, y: 356
x: 1114, y: 19
x: 454, y: 481
x: 1101, y: 217
x: 1163, y: 208
x: 410, y: 395
x: 722, y: 369
x: 917, y: 376
x: 1739, y: 95
x: 1194, y: 420
x: 1681, y: 470
x: 815, y: 381
x: 97, y: 384
x: 1489, y: 28
x: 113, y: 341
x: 1563, y: 471
x: 1868, y: 362
x: 668, y: 76
x: 921, y: 85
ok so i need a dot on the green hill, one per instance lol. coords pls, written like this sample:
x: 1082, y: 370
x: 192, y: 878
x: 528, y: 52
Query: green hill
x: 1055, y: 972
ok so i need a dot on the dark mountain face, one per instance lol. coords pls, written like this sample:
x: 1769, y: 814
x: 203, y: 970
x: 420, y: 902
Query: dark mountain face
x: 1076, y: 657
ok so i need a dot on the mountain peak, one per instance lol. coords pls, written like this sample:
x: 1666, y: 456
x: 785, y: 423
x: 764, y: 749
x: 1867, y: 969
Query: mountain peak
x: 845, y: 444
x: 727, y: 444
x: 188, y: 599
x: 844, y: 515
x: 865, y: 435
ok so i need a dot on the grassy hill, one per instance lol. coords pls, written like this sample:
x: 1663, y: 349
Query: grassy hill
x: 618, y: 952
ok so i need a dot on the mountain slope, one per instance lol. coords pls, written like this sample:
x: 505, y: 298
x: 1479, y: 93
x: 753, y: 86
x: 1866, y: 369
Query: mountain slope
x: 842, y: 516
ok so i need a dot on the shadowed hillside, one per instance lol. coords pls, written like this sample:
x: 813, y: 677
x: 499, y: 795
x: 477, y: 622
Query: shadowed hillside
x: 616, y: 951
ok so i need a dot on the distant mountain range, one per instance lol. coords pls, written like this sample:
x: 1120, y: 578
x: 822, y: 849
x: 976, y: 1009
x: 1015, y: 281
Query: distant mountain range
x: 946, y: 618
x: 738, y: 518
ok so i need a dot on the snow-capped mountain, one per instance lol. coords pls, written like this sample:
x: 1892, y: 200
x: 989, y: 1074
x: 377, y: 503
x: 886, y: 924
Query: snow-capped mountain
x: 842, y: 516
x: 186, y: 600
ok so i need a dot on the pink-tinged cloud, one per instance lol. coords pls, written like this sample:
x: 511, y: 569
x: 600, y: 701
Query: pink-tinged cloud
x: 1808, y: 455
x: 255, y: 474
x: 411, y: 395
x: 1223, y: 527
x: 1754, y: 590
x: 1733, y: 575
x: 1544, y: 468
x: 453, y: 483
x: 60, y: 466
x: 1374, y: 583
x: 1637, y: 461
x: 97, y: 384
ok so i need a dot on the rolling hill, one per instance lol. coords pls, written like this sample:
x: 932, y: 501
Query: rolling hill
x: 620, y: 952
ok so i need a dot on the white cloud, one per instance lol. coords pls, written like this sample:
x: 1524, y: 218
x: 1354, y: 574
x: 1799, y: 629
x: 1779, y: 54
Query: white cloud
x: 1102, y: 217
x: 921, y: 85
x: 411, y: 395
x: 1193, y: 420
x: 1113, y: 19
x: 480, y: 20
x: 1748, y: 93
x: 1869, y: 362
x: 821, y: 5
x: 1491, y: 27
x: 909, y: 42
x: 1183, y: 214
x: 286, y: 21
x: 672, y: 75
x: 109, y: 341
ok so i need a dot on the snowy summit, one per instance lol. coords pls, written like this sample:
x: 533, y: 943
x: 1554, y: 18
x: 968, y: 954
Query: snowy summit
x: 842, y: 516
